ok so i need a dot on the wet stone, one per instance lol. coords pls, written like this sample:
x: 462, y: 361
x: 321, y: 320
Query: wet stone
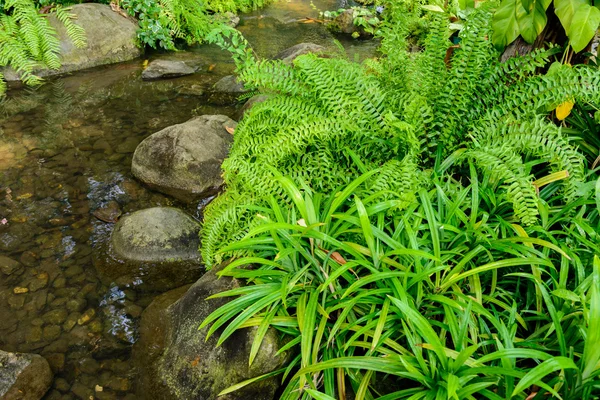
x: 109, y: 213
x: 20, y: 290
x: 51, y: 332
x: 56, y: 361
x: 119, y: 384
x: 28, y: 259
x: 39, y: 282
x: 8, y: 266
x: 86, y: 317
x: 40, y: 299
x: 55, y: 317
x: 59, y: 302
x: 62, y: 385
x: 81, y: 391
x: 35, y: 334
x: 89, y: 366
x: 73, y: 271
x: 59, y: 282
x: 77, y: 304
x: 58, y: 346
x: 37, y: 322
x: 16, y: 301
x: 95, y: 326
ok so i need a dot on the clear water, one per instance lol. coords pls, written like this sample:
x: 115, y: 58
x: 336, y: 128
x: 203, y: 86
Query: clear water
x: 65, y: 151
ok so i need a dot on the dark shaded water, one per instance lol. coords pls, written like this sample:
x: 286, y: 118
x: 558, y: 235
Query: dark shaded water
x: 65, y: 152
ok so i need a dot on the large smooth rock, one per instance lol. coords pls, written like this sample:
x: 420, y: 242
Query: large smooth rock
x: 174, y: 361
x: 155, y: 249
x: 163, y: 69
x: 23, y: 376
x: 184, y: 160
x: 111, y: 38
x: 289, y: 55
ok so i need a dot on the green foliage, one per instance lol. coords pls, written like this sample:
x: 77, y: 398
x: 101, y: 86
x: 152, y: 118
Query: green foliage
x: 448, y: 299
x: 579, y: 18
x: 328, y: 120
x: 163, y: 22
x: 29, y: 42
x: 419, y: 226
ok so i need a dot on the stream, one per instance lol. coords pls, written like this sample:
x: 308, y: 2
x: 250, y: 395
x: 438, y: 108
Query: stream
x: 65, y: 153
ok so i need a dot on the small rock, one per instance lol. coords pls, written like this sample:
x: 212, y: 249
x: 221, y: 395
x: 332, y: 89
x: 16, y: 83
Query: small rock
x: 51, y: 332
x: 86, y: 317
x: 37, y: 322
x: 35, y: 334
x: 162, y: 69
x: 119, y: 384
x: 109, y: 213
x: 16, y: 302
x: 62, y: 385
x: 73, y: 271
x: 8, y: 265
x: 89, y: 366
x: 77, y: 304
x: 55, y: 317
x: 95, y: 326
x: 20, y: 290
x: 39, y: 282
x: 230, y: 84
x: 82, y: 391
x: 56, y: 361
x: 59, y: 282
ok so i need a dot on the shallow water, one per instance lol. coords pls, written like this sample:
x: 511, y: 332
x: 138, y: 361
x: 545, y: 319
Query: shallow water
x: 65, y: 152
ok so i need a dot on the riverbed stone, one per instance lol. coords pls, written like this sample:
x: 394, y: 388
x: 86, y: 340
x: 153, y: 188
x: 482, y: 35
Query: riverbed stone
x: 230, y: 84
x: 23, y: 376
x: 111, y: 38
x: 8, y: 265
x: 152, y: 249
x: 289, y: 55
x: 175, y: 361
x: 163, y: 69
x: 184, y: 160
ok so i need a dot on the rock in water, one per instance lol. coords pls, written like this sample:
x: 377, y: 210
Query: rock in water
x: 289, y: 55
x: 111, y: 38
x: 175, y: 361
x: 156, y: 248
x: 161, y: 69
x: 229, y: 84
x: 23, y: 376
x: 184, y: 160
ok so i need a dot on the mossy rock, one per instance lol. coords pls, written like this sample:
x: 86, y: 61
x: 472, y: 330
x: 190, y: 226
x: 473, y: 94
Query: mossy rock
x: 23, y: 376
x: 154, y: 249
x: 175, y: 361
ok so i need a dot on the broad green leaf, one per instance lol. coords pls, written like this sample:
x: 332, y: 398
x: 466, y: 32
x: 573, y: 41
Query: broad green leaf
x: 566, y: 295
x: 505, y: 25
x: 315, y: 394
x: 565, y: 9
x: 535, y: 375
x: 249, y: 381
x: 583, y: 26
x: 532, y: 19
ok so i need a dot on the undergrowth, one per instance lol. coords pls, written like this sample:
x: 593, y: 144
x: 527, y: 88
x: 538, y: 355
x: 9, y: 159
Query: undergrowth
x: 419, y: 227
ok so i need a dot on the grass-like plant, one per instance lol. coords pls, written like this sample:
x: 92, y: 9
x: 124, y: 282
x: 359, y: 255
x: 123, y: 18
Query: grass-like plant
x: 448, y: 299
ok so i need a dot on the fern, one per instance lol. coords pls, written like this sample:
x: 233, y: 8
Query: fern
x: 328, y: 120
x: 29, y: 42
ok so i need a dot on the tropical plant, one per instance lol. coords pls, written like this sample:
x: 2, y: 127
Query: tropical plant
x: 328, y: 120
x: 29, y: 42
x: 579, y: 18
x: 448, y: 299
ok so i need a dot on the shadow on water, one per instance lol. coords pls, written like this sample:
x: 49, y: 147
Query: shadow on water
x: 65, y: 151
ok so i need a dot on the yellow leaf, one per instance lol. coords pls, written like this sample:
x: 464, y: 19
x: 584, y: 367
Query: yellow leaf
x: 563, y: 110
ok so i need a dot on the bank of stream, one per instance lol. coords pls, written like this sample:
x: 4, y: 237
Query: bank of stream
x: 65, y: 157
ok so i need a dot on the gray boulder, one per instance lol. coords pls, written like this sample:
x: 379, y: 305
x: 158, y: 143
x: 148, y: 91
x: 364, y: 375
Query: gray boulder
x: 289, y: 55
x: 184, y: 160
x: 174, y: 361
x: 229, y: 84
x: 23, y: 376
x: 154, y: 249
x: 111, y: 38
x: 162, y: 69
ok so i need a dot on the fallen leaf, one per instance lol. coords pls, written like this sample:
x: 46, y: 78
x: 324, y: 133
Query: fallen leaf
x: 211, y: 67
x: 195, y: 361
x: 230, y: 129
x: 564, y: 110
x: 338, y: 258
x: 145, y: 64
